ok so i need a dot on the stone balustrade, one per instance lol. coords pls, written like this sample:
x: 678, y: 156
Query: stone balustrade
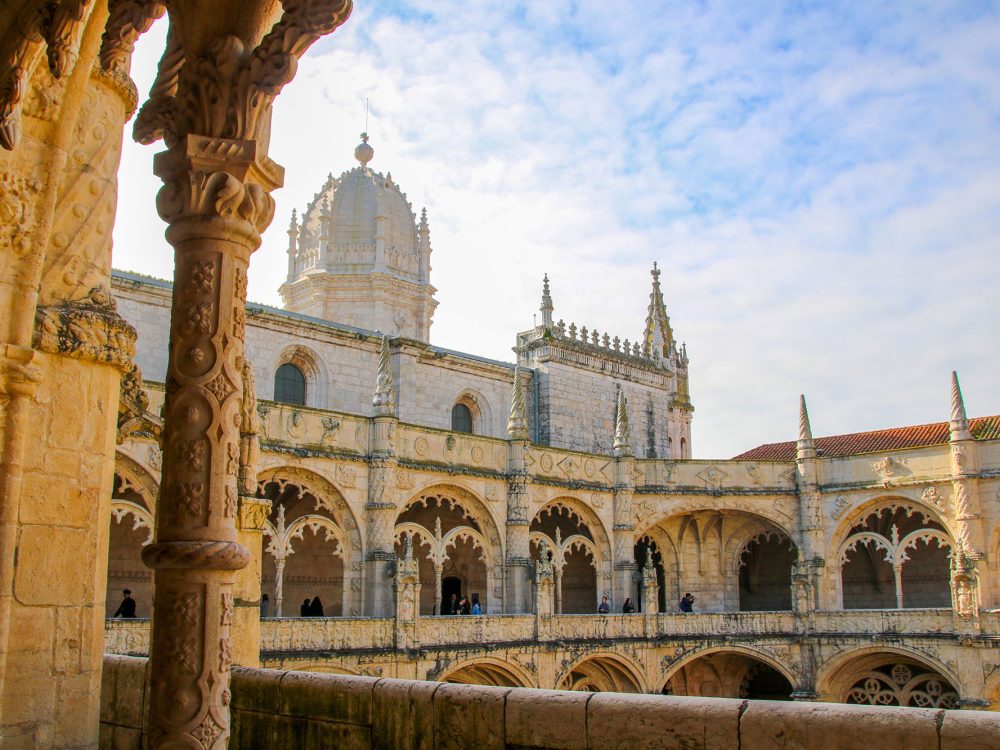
x: 275, y: 708
x: 291, y: 635
x: 294, y: 635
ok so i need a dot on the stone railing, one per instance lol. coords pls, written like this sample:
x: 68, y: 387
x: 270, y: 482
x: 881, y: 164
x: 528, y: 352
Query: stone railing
x: 450, y: 630
x: 128, y: 637
x: 275, y: 708
x: 883, y: 621
x: 294, y: 635
x: 289, y: 635
x: 596, y: 627
x: 725, y: 623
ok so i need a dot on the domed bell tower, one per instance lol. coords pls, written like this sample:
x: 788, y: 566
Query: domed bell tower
x: 359, y: 257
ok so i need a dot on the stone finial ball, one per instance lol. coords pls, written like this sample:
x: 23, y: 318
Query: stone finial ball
x: 363, y: 152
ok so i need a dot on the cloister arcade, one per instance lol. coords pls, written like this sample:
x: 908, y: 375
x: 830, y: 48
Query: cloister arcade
x: 580, y: 552
x: 894, y: 555
x: 729, y: 560
x: 457, y: 547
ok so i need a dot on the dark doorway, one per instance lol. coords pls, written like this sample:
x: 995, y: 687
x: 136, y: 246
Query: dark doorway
x: 450, y: 585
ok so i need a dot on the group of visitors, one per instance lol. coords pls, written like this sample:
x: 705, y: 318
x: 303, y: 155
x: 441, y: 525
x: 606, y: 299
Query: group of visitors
x: 686, y: 605
x: 460, y: 605
x: 312, y: 608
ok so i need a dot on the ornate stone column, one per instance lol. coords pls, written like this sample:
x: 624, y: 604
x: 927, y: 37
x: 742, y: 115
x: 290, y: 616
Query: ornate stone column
x: 518, y: 563
x: 969, y: 590
x: 544, y: 595
x: 810, y: 563
x: 211, y: 101
x: 63, y: 348
x: 625, y: 566
x: 407, y: 598
x: 381, y: 509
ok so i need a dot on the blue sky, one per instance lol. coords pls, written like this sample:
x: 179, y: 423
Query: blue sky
x: 818, y: 181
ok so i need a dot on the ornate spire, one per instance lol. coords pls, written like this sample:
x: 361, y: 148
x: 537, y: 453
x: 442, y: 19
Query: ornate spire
x: 959, y: 422
x: 517, y: 423
x: 658, y: 338
x: 384, y: 401
x: 363, y: 152
x: 546, y: 303
x: 293, y: 226
x: 623, y: 436
x: 804, y: 446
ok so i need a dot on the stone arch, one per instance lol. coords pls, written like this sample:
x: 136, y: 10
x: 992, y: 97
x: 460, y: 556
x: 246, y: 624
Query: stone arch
x: 479, y: 406
x: 702, y: 545
x: 686, y: 506
x: 487, y: 670
x: 570, y: 551
x: 328, y: 513
x: 903, y: 566
x: 754, y: 654
x: 603, y: 671
x: 840, y: 675
x: 452, y: 521
x: 873, y: 504
x: 775, y: 550
x: 311, y: 366
x: 139, y: 478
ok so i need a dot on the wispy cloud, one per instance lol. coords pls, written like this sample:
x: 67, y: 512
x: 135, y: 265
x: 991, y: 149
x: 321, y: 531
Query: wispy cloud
x: 818, y: 182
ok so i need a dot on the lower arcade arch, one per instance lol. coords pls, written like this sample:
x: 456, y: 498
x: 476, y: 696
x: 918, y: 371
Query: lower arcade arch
x: 881, y: 677
x: 602, y: 673
x: 730, y: 673
x: 488, y: 671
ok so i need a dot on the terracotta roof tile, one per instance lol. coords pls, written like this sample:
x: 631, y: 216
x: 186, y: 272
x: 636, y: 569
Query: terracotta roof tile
x: 895, y: 438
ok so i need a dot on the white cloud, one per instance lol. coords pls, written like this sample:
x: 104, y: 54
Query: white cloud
x: 818, y: 186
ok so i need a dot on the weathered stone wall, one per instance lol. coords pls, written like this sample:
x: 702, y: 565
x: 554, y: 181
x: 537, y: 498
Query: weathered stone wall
x: 274, y: 708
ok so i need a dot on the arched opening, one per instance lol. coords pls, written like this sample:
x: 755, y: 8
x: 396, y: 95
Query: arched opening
x: 461, y: 419
x: 707, y: 553
x: 766, y: 573
x: 645, y: 549
x: 600, y: 674
x: 574, y: 557
x: 131, y: 530
x: 451, y: 545
x: 895, y: 557
x: 729, y: 674
x: 889, y: 679
x: 290, y: 385
x: 492, y: 672
x: 305, y: 549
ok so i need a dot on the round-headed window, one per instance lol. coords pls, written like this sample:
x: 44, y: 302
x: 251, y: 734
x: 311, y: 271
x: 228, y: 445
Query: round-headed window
x: 290, y: 385
x: 461, y: 419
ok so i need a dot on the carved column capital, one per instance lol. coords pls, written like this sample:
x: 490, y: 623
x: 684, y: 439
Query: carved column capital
x: 86, y: 330
x: 216, y: 188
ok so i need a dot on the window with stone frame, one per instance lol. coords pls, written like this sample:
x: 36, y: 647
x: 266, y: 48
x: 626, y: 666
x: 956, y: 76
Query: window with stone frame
x: 290, y: 385
x: 461, y: 419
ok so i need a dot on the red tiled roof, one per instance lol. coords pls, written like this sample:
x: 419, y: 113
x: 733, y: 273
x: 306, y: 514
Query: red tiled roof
x: 895, y: 438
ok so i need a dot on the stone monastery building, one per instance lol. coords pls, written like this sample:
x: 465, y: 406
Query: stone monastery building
x: 206, y: 453
x: 393, y: 475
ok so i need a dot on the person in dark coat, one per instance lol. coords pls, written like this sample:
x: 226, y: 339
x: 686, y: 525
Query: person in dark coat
x: 305, y: 610
x: 687, y: 602
x: 603, y: 608
x: 127, y: 607
x: 628, y: 608
x: 456, y: 605
x: 316, y: 608
x: 466, y: 607
x: 451, y: 605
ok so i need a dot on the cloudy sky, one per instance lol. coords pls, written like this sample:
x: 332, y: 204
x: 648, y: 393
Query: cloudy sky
x: 819, y: 181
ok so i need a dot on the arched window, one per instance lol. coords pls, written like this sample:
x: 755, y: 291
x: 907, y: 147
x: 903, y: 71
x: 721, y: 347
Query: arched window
x: 461, y: 419
x: 290, y: 385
